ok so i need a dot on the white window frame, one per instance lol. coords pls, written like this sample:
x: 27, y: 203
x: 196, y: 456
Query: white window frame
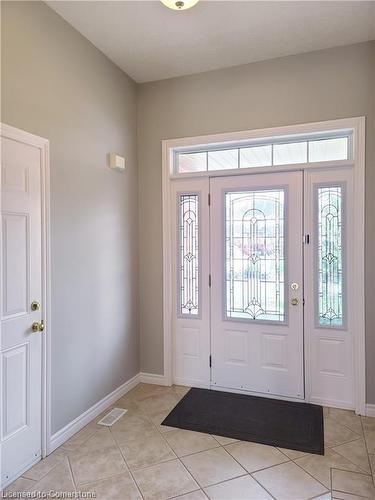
x: 355, y: 128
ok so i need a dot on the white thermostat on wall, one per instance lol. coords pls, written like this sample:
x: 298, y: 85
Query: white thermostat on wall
x: 116, y: 161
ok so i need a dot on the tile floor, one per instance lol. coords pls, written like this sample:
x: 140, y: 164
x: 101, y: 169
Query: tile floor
x: 138, y: 458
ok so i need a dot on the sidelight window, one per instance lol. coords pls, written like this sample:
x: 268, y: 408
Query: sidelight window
x: 188, y: 261
x: 330, y: 260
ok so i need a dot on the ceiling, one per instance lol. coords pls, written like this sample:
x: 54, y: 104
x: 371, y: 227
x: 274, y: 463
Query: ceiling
x: 150, y: 42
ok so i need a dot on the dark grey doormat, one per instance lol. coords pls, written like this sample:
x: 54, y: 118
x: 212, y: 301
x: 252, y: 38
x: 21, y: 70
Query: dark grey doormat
x: 297, y: 426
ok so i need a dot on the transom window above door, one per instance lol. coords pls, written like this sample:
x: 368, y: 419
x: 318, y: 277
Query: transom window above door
x: 271, y: 152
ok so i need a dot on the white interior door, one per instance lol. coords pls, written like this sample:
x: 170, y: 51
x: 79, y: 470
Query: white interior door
x: 21, y: 348
x: 256, y: 236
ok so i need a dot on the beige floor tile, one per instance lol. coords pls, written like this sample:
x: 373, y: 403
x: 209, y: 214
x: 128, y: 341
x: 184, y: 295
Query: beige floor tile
x: 289, y: 482
x: 293, y: 454
x: 131, y: 427
x: 212, y: 466
x: 101, y: 415
x: 194, y: 495
x: 224, y: 440
x: 325, y: 411
x: 101, y: 440
x: 58, y: 479
x: 115, y: 488
x: 254, y: 456
x: 164, y: 481
x: 159, y: 402
x: 356, y: 452
x: 326, y: 496
x: 188, y: 442
x: 368, y: 423
x: 143, y: 391
x: 320, y: 466
x: 157, y: 418
x: 91, y: 466
x: 372, y: 464
x: 143, y: 452
x: 348, y: 418
x: 339, y: 495
x: 80, y: 437
x: 335, y: 433
x: 350, y: 482
x: 20, y: 485
x: 126, y: 401
x: 241, y: 488
x: 370, y: 441
x: 181, y: 390
x: 46, y: 464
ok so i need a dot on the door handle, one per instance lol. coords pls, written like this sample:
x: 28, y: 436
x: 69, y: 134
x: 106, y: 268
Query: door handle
x: 37, y: 327
x: 294, y: 301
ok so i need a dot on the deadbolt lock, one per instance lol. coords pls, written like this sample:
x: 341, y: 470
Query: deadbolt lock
x: 294, y: 302
x: 294, y: 286
x: 35, y: 306
x: 37, y: 327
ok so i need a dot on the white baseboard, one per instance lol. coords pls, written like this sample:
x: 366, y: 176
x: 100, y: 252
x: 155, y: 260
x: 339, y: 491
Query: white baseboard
x: 370, y: 410
x: 78, y: 423
x: 152, y: 378
x: 332, y: 403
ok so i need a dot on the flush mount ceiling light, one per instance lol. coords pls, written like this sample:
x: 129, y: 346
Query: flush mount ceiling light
x: 179, y: 4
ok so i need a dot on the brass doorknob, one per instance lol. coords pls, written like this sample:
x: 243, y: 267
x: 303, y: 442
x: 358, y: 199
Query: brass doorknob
x: 294, y: 302
x: 37, y: 327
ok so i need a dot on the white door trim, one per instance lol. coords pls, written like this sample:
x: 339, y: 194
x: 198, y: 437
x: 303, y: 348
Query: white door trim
x: 357, y: 126
x: 43, y: 144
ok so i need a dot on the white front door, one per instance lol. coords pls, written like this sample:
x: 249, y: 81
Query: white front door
x: 256, y: 230
x: 21, y: 348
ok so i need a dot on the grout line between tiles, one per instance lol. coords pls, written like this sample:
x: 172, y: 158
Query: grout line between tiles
x: 43, y: 476
x: 368, y: 453
x: 71, y: 474
x: 226, y: 480
x: 189, y: 492
x: 251, y: 475
x: 356, y: 465
x: 126, y: 463
x: 345, y: 493
x: 308, y: 473
x: 351, y: 472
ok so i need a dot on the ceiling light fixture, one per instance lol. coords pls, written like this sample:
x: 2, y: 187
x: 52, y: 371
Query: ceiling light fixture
x: 179, y: 4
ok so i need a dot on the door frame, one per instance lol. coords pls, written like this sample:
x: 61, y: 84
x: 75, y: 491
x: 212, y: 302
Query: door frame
x: 43, y: 145
x: 357, y: 127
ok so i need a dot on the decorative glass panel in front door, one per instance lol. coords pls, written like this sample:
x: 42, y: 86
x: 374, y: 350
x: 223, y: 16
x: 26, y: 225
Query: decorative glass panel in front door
x: 254, y: 255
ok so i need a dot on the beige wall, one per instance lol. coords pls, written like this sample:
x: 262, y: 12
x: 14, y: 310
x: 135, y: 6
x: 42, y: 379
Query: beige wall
x: 324, y: 85
x: 57, y: 85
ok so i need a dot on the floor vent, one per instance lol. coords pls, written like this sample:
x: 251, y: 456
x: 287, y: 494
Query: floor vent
x: 112, y: 417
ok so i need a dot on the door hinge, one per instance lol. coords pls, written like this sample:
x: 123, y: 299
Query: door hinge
x: 210, y: 361
x: 209, y: 280
x: 306, y: 239
x: 209, y: 199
